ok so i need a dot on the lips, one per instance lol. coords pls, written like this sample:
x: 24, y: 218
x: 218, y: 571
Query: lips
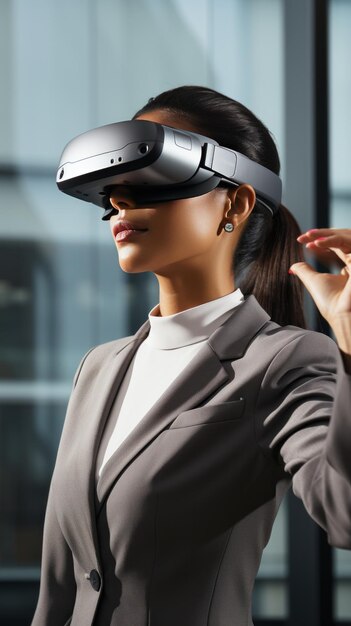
x: 122, y: 225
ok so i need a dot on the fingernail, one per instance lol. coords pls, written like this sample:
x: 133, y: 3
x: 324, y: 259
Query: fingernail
x: 290, y: 271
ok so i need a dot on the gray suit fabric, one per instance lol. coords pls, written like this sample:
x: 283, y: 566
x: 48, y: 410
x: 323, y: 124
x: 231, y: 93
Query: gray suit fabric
x: 176, y: 524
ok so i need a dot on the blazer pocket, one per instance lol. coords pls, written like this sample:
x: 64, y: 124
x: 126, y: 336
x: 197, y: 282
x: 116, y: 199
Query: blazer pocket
x: 210, y: 414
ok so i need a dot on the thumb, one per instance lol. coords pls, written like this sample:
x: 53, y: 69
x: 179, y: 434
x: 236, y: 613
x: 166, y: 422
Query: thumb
x: 305, y: 273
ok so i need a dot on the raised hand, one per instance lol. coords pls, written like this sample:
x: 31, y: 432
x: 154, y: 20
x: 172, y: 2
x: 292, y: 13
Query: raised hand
x: 331, y: 292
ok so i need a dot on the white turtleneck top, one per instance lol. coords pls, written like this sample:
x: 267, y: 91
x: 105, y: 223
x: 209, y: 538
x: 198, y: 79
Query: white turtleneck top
x: 172, y: 342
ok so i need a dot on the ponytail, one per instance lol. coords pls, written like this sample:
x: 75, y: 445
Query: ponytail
x: 267, y: 249
x: 268, y: 245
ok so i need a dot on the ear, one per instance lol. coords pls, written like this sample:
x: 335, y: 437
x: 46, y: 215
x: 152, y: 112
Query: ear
x: 242, y: 201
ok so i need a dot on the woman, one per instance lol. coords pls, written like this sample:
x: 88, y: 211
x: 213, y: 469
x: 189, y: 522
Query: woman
x: 159, y: 517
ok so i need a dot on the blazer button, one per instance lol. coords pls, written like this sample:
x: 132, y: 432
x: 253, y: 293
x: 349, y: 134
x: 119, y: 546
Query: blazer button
x: 95, y: 579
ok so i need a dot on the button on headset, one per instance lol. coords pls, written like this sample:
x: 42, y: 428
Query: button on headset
x: 143, y: 148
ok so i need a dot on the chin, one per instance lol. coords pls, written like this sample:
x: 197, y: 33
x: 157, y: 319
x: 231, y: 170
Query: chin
x: 133, y: 270
x: 130, y: 267
x: 136, y: 260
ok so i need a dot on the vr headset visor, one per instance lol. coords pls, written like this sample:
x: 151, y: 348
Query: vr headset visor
x: 157, y: 163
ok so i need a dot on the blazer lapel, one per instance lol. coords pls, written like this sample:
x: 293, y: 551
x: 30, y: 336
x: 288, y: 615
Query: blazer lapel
x: 91, y: 400
x: 200, y: 379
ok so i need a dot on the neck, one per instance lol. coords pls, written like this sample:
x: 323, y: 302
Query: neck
x: 178, y: 294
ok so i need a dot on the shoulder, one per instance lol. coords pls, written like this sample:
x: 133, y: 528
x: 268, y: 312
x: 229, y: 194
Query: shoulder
x: 102, y: 350
x: 288, y: 347
x: 97, y: 355
x: 283, y: 335
x: 252, y: 335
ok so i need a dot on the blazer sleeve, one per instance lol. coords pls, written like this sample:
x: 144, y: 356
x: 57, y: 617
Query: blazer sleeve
x: 303, y: 422
x: 57, y: 582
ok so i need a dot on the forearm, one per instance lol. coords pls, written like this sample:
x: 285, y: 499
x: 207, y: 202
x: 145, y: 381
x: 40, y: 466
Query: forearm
x: 308, y: 428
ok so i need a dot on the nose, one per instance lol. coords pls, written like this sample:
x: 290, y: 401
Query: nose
x: 121, y: 198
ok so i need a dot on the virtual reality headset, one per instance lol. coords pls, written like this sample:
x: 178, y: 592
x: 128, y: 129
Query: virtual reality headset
x: 157, y: 163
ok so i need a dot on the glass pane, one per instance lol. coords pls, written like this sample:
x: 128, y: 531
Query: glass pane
x: 61, y: 290
x: 271, y: 594
x: 29, y: 435
x: 342, y: 584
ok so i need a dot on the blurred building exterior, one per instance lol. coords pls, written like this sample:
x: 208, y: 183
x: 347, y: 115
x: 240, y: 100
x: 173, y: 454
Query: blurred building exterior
x: 66, y: 67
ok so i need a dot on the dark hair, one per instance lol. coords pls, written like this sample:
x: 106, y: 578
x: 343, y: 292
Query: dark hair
x: 268, y: 244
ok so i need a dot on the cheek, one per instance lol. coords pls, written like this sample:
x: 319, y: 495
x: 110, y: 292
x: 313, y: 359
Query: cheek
x: 178, y: 231
x: 194, y: 222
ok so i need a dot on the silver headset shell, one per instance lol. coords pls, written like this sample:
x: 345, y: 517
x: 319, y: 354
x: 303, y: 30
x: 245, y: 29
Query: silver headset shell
x: 159, y: 162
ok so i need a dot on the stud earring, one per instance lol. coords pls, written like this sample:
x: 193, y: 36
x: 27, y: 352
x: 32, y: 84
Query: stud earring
x: 228, y: 227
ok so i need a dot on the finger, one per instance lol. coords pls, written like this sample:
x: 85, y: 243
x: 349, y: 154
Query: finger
x: 305, y: 273
x: 326, y: 257
x: 314, y: 233
x: 339, y: 242
x: 337, y: 252
x: 345, y: 257
x: 335, y: 241
x: 345, y: 271
x: 324, y: 287
x: 324, y: 236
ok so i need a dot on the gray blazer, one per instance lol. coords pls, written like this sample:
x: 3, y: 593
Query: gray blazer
x: 172, y: 534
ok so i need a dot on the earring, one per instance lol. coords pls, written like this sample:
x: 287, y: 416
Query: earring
x: 228, y: 227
